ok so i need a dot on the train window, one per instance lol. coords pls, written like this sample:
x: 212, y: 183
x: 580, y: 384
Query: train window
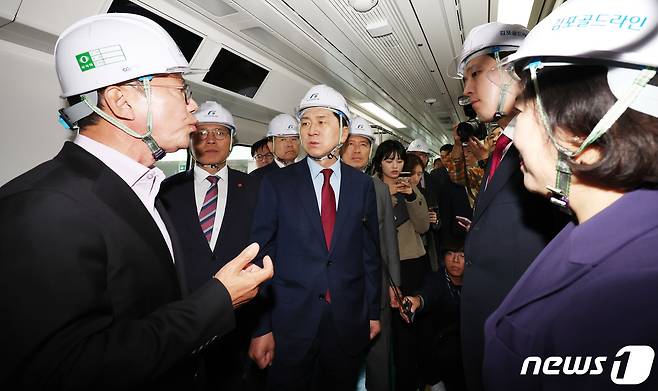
x: 234, y: 73
x: 240, y: 159
x: 173, y: 163
x: 187, y: 41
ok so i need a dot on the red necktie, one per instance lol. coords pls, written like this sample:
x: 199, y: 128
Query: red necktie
x: 207, y: 212
x: 328, y: 214
x: 497, y: 155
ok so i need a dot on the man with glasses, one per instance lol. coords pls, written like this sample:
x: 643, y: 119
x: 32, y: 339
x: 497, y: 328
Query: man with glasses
x: 90, y: 266
x: 283, y: 141
x: 261, y: 153
x: 211, y: 207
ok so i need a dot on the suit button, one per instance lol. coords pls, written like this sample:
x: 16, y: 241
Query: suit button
x: 321, y: 296
x: 468, y: 263
x: 329, y: 263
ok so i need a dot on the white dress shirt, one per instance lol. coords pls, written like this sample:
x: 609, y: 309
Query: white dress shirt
x: 201, y: 186
x: 144, y: 181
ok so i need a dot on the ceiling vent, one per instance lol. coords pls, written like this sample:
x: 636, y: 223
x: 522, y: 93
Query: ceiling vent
x: 379, y: 29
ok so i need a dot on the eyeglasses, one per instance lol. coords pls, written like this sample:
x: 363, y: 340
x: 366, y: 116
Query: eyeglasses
x: 219, y: 134
x: 185, y: 88
x: 258, y: 156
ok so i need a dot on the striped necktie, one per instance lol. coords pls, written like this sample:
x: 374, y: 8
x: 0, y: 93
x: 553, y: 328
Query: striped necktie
x: 207, y: 212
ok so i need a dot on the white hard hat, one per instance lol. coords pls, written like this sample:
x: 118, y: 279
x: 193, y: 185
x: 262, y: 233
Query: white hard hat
x: 488, y: 38
x: 619, y: 34
x: 418, y: 145
x: 326, y: 97
x: 360, y: 127
x: 213, y: 112
x: 600, y: 30
x: 107, y: 49
x: 283, y: 125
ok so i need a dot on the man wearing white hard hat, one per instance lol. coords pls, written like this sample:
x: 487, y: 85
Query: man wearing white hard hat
x: 91, y: 266
x: 583, y: 316
x: 359, y: 145
x: 356, y: 152
x: 510, y: 226
x: 318, y: 219
x: 283, y: 140
x: 211, y: 207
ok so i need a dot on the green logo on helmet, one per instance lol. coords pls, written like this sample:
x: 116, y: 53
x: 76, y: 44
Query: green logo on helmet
x: 85, y: 61
x: 97, y: 58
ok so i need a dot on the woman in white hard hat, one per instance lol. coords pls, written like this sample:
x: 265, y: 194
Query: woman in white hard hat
x: 583, y: 316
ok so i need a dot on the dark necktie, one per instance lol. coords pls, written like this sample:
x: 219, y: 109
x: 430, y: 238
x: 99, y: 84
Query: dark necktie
x: 207, y: 212
x: 328, y: 214
x: 497, y: 155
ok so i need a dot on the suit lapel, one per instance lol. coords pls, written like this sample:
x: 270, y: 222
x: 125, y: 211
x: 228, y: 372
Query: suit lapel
x: 232, y: 209
x: 120, y: 198
x: 175, y: 244
x: 307, y: 197
x: 504, y: 172
x: 344, y: 203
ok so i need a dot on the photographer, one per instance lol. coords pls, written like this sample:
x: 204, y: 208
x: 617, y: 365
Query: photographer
x: 466, y: 163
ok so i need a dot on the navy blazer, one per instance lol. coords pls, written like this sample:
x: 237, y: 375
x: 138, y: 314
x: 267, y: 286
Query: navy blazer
x: 201, y: 264
x: 90, y: 295
x: 260, y: 172
x: 510, y: 226
x: 591, y: 292
x: 288, y: 227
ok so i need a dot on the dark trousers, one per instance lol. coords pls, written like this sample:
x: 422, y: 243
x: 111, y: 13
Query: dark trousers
x: 409, y: 338
x: 378, y: 362
x: 325, y: 366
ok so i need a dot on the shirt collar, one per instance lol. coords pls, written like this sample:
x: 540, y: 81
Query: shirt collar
x: 316, y: 168
x: 200, y: 174
x: 279, y: 162
x: 509, y: 129
x: 128, y: 169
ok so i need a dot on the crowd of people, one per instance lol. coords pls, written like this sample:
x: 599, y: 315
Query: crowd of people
x: 340, y: 257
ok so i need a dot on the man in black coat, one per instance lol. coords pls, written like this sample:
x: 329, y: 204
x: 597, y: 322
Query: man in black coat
x: 93, y: 288
x: 510, y: 225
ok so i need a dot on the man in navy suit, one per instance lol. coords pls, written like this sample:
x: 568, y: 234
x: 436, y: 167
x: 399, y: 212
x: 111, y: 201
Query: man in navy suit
x: 318, y: 220
x: 510, y: 226
x: 226, y: 216
x: 283, y: 140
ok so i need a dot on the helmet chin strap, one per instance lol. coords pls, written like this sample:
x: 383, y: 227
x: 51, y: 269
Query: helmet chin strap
x: 217, y: 165
x: 285, y: 164
x: 504, y: 89
x: 560, y: 192
x: 333, y: 153
x: 157, y: 152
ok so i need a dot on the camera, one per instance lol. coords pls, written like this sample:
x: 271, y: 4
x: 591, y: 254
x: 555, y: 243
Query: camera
x: 472, y: 127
